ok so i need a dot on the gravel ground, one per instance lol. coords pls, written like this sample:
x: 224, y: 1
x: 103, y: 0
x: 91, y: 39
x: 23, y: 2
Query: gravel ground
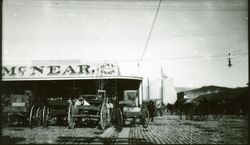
x: 168, y: 129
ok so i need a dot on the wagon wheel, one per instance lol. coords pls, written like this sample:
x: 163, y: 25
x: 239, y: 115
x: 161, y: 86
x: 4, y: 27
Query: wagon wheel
x: 189, y: 115
x: 38, y: 116
x: 71, y: 113
x: 31, y: 117
x: 45, y: 116
x: 117, y: 118
x: 204, y: 115
x: 104, y: 116
x: 198, y: 117
x: 145, y: 116
x: 217, y: 115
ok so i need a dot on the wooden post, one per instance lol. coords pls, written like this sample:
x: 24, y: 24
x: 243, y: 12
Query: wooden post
x: 162, y: 89
x: 162, y: 76
x: 148, y: 89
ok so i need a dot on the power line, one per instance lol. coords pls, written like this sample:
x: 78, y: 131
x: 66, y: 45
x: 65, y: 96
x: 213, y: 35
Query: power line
x: 209, y: 57
x: 121, y: 35
x: 117, y: 6
x: 151, y: 30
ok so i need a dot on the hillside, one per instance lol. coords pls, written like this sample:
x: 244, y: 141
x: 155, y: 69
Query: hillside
x: 226, y: 94
x: 183, y: 89
x: 192, y: 94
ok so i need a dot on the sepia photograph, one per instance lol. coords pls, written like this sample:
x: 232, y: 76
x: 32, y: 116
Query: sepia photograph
x: 133, y: 72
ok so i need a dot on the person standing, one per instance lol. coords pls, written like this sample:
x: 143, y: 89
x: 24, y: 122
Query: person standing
x: 151, y: 110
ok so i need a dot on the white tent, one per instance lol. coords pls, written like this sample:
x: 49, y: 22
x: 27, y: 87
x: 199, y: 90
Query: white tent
x: 162, y: 88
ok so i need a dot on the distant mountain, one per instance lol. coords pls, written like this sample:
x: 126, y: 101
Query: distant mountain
x: 211, y: 89
x: 182, y: 89
x: 226, y: 94
x: 194, y: 93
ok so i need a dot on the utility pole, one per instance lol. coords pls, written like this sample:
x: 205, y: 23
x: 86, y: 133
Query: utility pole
x: 148, y: 89
x: 229, y: 60
x: 161, y: 84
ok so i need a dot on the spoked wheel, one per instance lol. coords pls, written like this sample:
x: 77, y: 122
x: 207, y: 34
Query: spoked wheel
x: 217, y: 116
x: 32, y: 116
x: 198, y: 117
x: 204, y: 116
x: 104, y: 116
x: 117, y: 118
x: 71, y: 118
x: 45, y: 116
x: 38, y: 116
x: 145, y: 116
x: 189, y: 115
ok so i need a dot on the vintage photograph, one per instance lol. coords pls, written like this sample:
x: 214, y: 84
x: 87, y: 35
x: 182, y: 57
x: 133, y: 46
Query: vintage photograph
x: 124, y: 72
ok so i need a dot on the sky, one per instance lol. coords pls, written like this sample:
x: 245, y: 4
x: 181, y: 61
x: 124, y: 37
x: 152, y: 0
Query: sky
x: 190, y: 40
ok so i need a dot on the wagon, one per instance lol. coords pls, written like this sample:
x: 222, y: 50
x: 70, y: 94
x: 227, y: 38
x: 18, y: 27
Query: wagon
x: 199, y: 111
x: 55, y: 111
x: 35, y: 115
x: 195, y: 111
x: 16, y: 108
x: 127, y: 110
x: 159, y: 108
x: 92, y: 108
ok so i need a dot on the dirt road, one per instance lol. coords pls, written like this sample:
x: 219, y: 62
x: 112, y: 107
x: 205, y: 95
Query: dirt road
x: 168, y: 129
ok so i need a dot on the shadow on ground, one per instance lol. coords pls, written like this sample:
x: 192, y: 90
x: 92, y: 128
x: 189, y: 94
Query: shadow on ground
x: 94, y: 140
x: 11, y: 140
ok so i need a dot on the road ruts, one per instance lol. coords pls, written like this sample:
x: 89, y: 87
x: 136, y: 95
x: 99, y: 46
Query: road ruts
x: 160, y: 134
x: 164, y: 131
x: 168, y: 129
x: 155, y: 135
x: 79, y: 136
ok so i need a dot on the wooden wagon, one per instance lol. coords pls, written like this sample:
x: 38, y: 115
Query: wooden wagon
x: 55, y: 111
x: 93, y: 108
x: 127, y: 110
x: 16, y: 108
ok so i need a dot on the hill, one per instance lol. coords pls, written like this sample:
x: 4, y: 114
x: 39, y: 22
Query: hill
x: 192, y: 94
x: 183, y: 89
x: 225, y: 95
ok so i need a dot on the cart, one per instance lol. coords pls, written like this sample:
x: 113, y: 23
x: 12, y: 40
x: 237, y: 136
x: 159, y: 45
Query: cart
x: 55, y: 111
x: 35, y: 116
x: 159, y: 108
x: 92, y: 108
x: 16, y: 108
x: 134, y: 113
x: 128, y: 110
x: 195, y: 111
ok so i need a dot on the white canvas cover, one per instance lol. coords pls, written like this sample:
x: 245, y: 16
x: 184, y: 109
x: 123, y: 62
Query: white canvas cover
x: 162, y: 86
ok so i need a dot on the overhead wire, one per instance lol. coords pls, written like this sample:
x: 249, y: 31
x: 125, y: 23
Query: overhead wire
x: 171, y: 58
x: 91, y: 4
x: 208, y: 57
x: 151, y: 30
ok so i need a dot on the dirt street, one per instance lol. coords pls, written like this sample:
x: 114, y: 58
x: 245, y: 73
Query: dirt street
x: 168, y: 129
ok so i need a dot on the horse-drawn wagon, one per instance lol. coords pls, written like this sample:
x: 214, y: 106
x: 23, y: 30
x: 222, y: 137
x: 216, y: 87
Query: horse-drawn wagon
x: 127, y: 110
x: 16, y: 109
x: 201, y: 110
x: 93, y: 108
x: 55, y: 111
x: 158, y: 105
